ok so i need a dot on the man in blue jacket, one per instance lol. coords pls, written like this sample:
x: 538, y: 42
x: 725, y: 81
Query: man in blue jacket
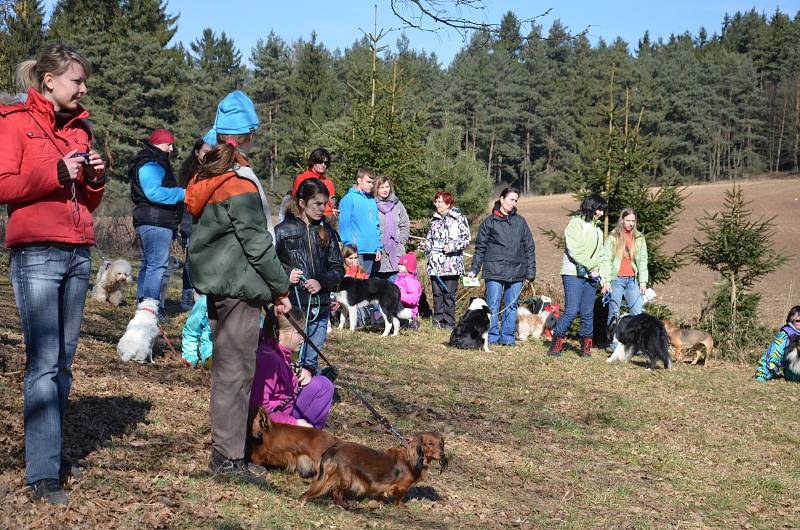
x: 359, y: 223
x: 157, y: 208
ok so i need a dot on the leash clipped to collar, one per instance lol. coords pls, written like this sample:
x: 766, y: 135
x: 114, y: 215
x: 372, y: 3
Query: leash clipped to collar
x: 334, y: 372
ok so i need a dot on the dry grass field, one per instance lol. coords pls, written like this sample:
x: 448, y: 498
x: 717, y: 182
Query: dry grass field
x: 533, y: 442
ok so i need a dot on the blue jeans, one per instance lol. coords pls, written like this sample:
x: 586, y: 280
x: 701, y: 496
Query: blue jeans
x: 578, y: 299
x: 156, y: 243
x: 628, y: 287
x: 50, y: 284
x: 509, y: 292
x: 317, y: 331
x: 187, y: 280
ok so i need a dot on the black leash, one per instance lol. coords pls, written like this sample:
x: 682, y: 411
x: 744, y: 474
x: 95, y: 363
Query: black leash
x: 335, y: 372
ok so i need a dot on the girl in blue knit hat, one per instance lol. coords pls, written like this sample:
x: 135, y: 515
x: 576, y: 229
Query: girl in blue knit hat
x: 232, y: 260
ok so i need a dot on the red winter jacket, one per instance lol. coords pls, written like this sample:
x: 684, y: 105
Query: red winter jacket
x: 39, y: 207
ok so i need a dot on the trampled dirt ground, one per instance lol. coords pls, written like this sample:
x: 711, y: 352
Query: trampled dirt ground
x: 685, y: 291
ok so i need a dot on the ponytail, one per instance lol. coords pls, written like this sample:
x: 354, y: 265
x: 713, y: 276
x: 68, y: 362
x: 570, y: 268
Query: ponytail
x: 55, y: 59
x: 223, y: 156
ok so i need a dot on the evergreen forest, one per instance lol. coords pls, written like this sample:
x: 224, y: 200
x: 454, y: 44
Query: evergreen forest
x: 523, y: 105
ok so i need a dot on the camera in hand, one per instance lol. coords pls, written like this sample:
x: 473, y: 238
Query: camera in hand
x: 85, y: 157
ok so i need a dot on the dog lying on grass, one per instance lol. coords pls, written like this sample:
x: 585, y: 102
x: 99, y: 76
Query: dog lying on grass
x: 356, y: 470
x: 690, y: 339
x: 291, y: 447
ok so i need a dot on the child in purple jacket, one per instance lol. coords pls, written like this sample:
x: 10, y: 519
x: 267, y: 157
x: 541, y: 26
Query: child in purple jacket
x: 288, y: 393
x: 410, y: 288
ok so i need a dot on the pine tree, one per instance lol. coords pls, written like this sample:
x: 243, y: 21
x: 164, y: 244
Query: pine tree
x: 21, y: 37
x: 267, y: 88
x: 741, y: 250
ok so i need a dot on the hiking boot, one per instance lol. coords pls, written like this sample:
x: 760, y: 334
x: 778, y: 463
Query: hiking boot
x: 234, y: 469
x: 586, y: 347
x: 49, y: 490
x: 187, y: 299
x: 556, y: 345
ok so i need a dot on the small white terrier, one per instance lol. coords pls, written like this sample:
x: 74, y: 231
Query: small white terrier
x: 109, y: 285
x: 137, y: 342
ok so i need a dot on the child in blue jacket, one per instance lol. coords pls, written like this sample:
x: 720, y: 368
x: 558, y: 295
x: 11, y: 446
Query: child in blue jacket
x: 772, y: 363
x: 196, y: 340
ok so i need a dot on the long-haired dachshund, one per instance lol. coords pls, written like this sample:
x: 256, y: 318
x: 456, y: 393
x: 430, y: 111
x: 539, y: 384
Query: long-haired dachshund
x: 292, y: 447
x: 350, y: 468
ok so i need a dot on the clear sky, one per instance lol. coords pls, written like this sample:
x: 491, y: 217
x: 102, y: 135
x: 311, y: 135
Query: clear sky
x: 338, y: 23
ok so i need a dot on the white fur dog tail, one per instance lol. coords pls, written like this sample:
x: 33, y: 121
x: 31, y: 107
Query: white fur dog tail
x: 405, y: 314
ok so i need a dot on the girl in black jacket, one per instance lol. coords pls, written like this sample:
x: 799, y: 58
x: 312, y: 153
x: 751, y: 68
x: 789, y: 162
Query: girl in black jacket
x: 309, y: 251
x: 506, y: 252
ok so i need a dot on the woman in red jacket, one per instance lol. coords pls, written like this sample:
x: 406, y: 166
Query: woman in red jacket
x: 51, y: 179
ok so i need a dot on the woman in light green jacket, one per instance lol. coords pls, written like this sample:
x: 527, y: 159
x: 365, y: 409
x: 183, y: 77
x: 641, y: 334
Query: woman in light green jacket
x: 623, y: 266
x: 580, y: 273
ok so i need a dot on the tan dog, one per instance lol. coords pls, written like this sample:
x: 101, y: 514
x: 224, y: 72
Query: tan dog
x: 690, y: 339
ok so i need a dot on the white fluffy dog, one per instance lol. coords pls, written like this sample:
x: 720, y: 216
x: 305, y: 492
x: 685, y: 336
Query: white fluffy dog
x: 137, y: 342
x: 109, y: 285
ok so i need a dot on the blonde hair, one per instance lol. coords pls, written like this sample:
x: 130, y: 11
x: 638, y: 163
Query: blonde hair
x: 619, y: 234
x: 55, y: 60
x: 274, y: 325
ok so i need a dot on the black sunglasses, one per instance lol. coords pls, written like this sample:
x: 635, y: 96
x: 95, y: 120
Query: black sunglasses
x: 325, y: 162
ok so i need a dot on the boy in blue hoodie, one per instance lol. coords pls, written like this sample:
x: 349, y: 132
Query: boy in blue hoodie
x: 359, y: 222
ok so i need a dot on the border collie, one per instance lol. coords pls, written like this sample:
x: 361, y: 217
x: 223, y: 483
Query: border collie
x: 354, y: 293
x: 643, y: 333
x: 791, y: 361
x: 472, y: 331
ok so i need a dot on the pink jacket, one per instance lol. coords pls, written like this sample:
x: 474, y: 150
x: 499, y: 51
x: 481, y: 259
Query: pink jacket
x: 274, y: 381
x: 410, y: 291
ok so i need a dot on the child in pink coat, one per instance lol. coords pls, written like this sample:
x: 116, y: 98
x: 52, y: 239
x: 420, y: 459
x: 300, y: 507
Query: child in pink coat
x: 410, y: 288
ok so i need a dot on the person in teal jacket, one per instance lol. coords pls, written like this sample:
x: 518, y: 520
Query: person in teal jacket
x: 772, y: 362
x: 580, y: 273
x: 359, y: 221
x: 196, y: 347
x: 623, y: 266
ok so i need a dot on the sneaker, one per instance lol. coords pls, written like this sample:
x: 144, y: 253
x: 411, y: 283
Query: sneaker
x: 187, y: 300
x: 49, y: 490
x: 234, y: 469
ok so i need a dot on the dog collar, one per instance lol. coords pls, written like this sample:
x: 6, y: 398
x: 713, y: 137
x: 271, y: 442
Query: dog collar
x: 149, y: 311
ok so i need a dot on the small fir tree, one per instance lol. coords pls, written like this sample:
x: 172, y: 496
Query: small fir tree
x: 742, y: 251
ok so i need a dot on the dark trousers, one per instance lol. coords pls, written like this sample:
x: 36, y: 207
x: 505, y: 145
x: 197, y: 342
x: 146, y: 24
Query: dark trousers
x: 234, y: 328
x: 444, y: 300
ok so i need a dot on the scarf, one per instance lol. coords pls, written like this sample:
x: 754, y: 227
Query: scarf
x: 390, y: 242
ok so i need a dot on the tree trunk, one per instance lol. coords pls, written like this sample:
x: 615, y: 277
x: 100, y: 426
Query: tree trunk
x: 527, y: 185
x: 780, y: 136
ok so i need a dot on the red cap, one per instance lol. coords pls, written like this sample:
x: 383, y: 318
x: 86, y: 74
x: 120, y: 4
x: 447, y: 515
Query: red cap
x: 162, y: 136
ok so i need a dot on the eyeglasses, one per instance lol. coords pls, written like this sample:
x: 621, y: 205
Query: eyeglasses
x: 324, y: 162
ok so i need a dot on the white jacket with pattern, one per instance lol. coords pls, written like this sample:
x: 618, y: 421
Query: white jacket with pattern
x: 452, y: 229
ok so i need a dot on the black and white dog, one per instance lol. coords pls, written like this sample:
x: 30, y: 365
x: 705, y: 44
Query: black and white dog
x: 644, y: 333
x: 354, y: 293
x: 472, y: 331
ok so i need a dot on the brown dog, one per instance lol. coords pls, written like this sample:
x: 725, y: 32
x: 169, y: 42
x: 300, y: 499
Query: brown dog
x: 292, y: 447
x: 690, y: 339
x: 350, y: 468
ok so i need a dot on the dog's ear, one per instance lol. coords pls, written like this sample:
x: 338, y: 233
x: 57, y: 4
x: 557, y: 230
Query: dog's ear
x: 261, y: 423
x: 416, y: 454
